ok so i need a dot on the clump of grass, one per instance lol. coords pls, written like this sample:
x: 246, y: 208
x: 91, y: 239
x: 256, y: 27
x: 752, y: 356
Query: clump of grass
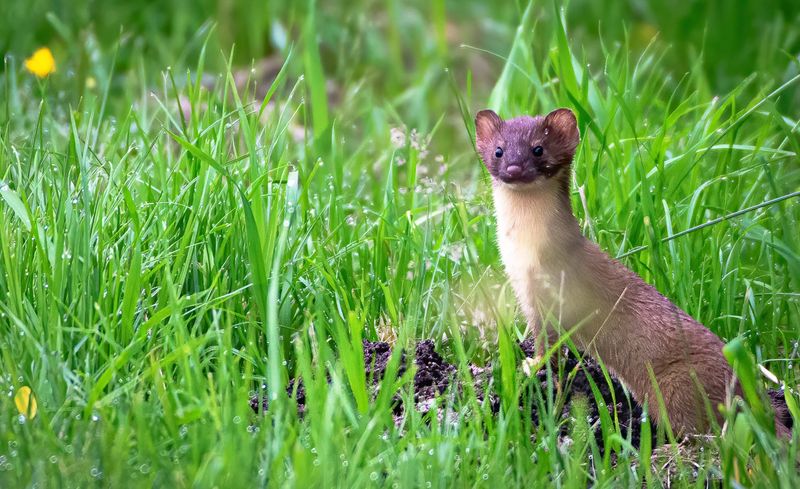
x: 157, y: 270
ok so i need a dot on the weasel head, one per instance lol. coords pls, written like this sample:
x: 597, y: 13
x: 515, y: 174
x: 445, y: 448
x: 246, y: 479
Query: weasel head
x: 528, y: 153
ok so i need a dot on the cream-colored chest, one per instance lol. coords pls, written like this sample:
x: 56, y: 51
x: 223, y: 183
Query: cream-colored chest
x: 536, y: 244
x: 533, y: 263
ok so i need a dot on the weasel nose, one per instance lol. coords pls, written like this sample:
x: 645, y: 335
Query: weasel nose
x: 514, y: 171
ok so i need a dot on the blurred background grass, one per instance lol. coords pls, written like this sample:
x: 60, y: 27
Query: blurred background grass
x: 147, y: 298
x: 392, y: 42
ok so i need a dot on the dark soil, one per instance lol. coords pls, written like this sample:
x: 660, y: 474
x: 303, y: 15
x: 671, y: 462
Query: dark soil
x: 616, y: 399
x: 434, y: 375
x: 782, y: 414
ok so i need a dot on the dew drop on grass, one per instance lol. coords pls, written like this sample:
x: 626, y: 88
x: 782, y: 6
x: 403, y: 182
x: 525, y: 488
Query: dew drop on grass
x: 237, y: 419
x: 485, y: 476
x: 316, y: 462
x: 373, y: 476
x: 53, y: 459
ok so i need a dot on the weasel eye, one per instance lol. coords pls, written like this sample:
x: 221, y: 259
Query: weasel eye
x: 498, y: 153
x: 538, y: 151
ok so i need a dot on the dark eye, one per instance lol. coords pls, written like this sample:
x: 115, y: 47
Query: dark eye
x: 498, y: 153
x: 538, y: 151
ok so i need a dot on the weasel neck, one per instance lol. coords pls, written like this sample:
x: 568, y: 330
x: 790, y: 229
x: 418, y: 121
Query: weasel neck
x: 539, y: 219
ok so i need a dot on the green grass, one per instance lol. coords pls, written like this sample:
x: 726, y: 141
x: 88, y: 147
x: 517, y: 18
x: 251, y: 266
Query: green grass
x: 156, y: 271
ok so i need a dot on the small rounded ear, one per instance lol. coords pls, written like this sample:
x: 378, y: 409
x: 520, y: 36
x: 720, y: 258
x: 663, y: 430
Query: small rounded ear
x: 487, y: 124
x: 562, y: 124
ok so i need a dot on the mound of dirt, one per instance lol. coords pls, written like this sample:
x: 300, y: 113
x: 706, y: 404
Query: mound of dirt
x: 581, y: 373
x: 433, y: 375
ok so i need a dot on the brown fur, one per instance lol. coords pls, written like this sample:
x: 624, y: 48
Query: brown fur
x: 563, y: 280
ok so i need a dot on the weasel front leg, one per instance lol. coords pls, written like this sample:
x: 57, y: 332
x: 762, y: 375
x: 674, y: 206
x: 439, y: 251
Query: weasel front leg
x: 543, y: 339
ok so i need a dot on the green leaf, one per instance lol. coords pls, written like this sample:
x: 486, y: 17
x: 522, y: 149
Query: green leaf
x: 13, y: 200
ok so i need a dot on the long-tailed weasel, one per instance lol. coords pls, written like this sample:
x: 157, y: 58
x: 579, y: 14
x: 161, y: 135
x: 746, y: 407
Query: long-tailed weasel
x: 562, y: 279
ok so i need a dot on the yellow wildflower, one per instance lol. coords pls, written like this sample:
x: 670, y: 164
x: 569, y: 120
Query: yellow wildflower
x: 41, y: 63
x: 26, y: 402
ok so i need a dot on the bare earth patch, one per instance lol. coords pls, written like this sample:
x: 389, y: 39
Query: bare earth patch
x: 433, y: 377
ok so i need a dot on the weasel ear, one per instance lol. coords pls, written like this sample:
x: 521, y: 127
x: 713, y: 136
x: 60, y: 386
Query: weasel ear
x: 563, y: 125
x: 487, y: 124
